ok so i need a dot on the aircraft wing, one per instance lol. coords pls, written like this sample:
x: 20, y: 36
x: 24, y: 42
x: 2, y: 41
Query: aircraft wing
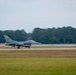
x: 32, y: 42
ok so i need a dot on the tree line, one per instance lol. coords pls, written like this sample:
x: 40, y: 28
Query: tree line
x: 64, y: 35
x: 19, y: 35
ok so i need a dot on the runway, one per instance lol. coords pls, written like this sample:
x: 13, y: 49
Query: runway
x: 43, y: 47
x: 38, y: 49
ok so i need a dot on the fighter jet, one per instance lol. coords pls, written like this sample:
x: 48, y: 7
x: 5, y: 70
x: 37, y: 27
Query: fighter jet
x: 14, y: 43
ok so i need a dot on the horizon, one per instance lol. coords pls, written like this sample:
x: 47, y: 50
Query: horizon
x: 36, y: 27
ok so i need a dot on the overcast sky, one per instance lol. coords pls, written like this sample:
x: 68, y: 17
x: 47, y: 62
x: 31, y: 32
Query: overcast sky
x: 29, y: 14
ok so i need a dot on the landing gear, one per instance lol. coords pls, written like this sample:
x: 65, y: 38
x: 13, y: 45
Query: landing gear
x: 18, y: 47
x: 27, y: 46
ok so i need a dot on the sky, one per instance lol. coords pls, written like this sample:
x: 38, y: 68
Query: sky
x: 30, y: 14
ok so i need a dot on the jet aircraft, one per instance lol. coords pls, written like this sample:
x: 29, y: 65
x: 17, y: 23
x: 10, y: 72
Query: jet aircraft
x: 14, y: 43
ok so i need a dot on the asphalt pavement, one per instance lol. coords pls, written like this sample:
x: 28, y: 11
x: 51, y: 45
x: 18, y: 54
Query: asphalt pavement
x: 38, y: 49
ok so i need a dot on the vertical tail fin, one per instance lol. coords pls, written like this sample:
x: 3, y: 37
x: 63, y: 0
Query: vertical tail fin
x: 8, y: 40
